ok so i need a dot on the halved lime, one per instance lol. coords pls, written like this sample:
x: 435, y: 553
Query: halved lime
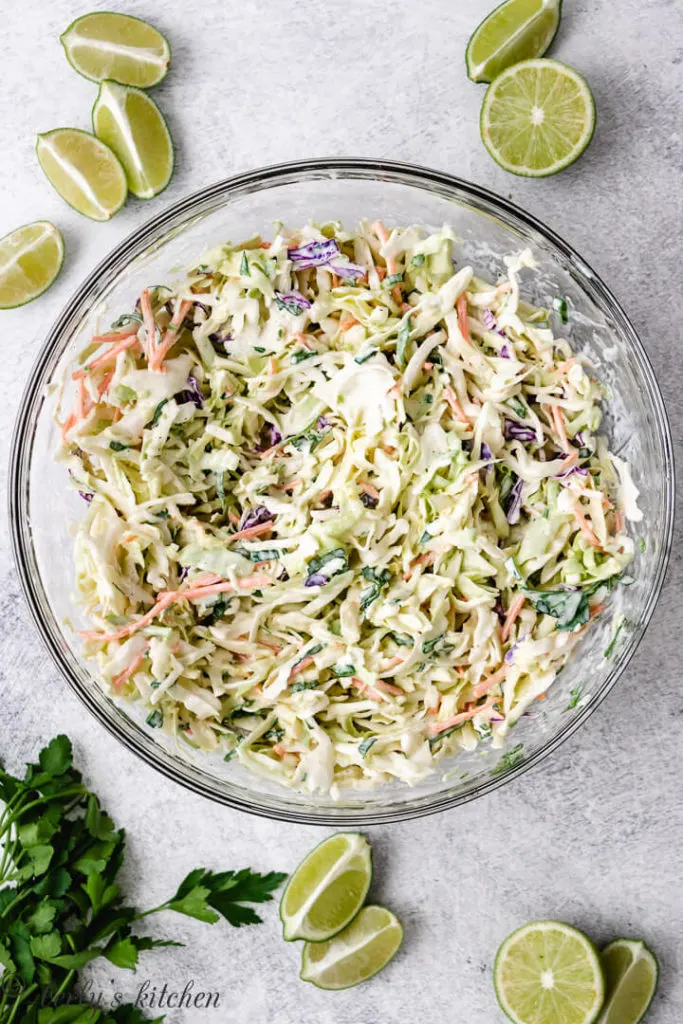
x: 537, y: 117
x: 85, y: 172
x: 132, y: 125
x: 517, y: 30
x: 631, y: 975
x: 30, y: 259
x: 359, y: 952
x: 549, y: 973
x: 106, y: 45
x: 327, y: 889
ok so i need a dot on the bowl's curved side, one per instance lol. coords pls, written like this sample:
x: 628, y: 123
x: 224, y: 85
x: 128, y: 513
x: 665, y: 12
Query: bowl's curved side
x: 190, y: 214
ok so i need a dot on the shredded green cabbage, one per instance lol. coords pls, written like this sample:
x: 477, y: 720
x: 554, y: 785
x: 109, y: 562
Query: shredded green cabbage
x: 347, y: 511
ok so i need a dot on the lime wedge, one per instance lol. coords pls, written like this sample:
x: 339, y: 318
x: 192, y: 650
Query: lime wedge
x: 84, y: 171
x: 327, y: 889
x: 132, y: 125
x: 30, y: 259
x: 105, y: 45
x: 537, y: 118
x: 631, y: 975
x: 356, y: 954
x: 517, y: 30
x: 549, y: 973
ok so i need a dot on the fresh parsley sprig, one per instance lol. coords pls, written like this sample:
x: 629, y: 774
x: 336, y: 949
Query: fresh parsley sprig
x: 61, y: 905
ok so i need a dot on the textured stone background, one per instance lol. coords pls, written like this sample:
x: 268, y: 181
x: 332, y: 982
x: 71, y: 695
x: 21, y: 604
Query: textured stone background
x: 595, y: 835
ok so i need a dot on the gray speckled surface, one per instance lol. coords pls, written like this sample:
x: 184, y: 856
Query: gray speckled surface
x: 594, y: 836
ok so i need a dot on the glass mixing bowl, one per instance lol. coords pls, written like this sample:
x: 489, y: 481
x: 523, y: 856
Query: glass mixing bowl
x: 42, y: 505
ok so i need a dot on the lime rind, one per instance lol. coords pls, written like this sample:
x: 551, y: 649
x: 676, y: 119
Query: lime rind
x: 55, y: 236
x: 357, y: 856
x: 639, y: 953
x: 67, y: 39
x: 115, y: 164
x: 572, y: 156
x: 592, y: 958
x: 314, y: 972
x: 518, y: 46
x: 113, y: 96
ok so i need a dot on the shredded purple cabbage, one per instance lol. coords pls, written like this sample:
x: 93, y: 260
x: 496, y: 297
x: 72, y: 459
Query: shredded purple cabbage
x: 499, y: 610
x: 518, y: 432
x: 182, y: 573
x: 348, y: 271
x: 491, y: 324
x: 193, y: 393
x: 323, y: 423
x: 258, y: 515
x: 570, y: 472
x: 86, y: 497
x: 513, y: 504
x: 314, y: 254
x: 270, y: 436
x: 204, y: 308
x: 220, y: 339
x: 368, y: 500
x: 486, y: 452
x: 316, y: 579
x: 294, y: 302
x: 505, y: 352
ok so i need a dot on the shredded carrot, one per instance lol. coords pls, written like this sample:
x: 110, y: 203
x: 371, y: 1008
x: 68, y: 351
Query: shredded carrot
x: 618, y: 521
x: 372, y: 693
x: 348, y: 322
x: 251, y: 531
x: 128, y: 342
x: 160, y: 351
x: 566, y: 365
x: 233, y: 517
x: 302, y: 666
x: 461, y: 306
x: 513, y: 611
x: 265, y: 245
x: 397, y: 295
x: 381, y: 272
x: 558, y: 420
x: 382, y: 684
x: 487, y: 684
x: 336, y: 281
x: 272, y: 366
x: 597, y: 609
x: 149, y: 322
x: 464, y: 716
x: 456, y: 407
x: 113, y: 336
x: 585, y: 527
x: 104, y: 384
x: 383, y: 236
x: 394, y: 391
x: 302, y: 339
x: 279, y: 750
x: 324, y: 495
x: 370, y: 489
x: 569, y: 461
x: 541, y: 696
x: 428, y: 558
x: 407, y: 308
x: 428, y: 366
x: 168, y: 597
x: 124, y: 676
x: 68, y: 424
x: 392, y: 663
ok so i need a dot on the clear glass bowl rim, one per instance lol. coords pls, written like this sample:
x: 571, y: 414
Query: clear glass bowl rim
x: 174, y: 216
